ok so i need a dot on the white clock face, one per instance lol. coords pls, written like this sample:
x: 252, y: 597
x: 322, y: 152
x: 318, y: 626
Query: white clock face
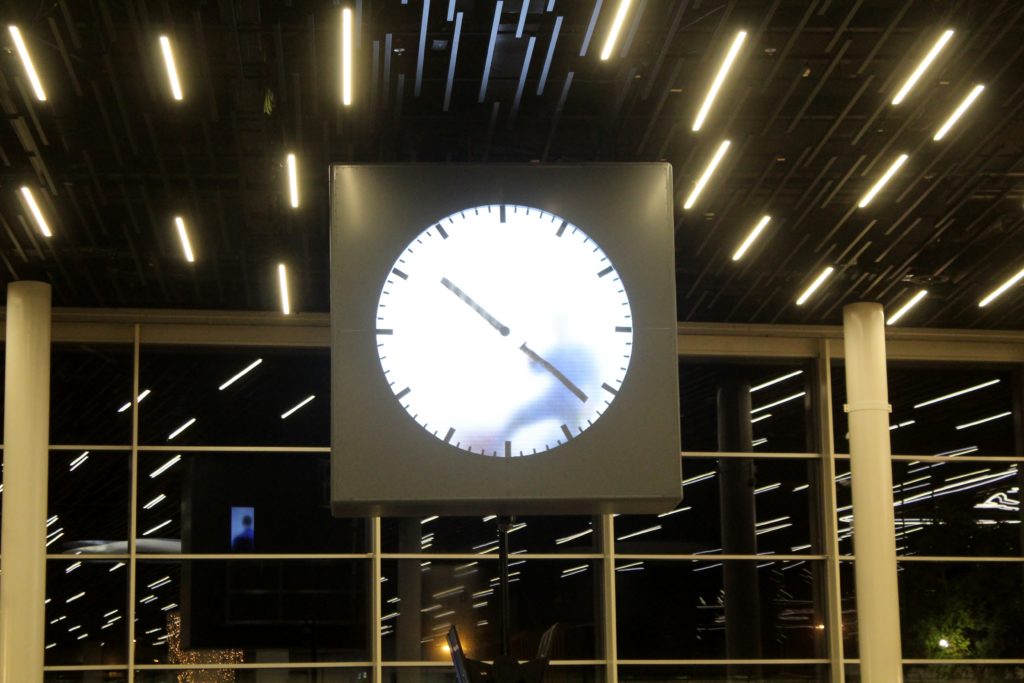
x: 504, y: 330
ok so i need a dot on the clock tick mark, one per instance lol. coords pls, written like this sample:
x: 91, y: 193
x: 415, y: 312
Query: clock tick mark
x: 605, y: 271
x: 448, y: 436
x: 441, y: 230
x: 565, y: 430
x: 384, y: 331
x: 502, y: 213
x: 399, y: 273
x: 609, y: 389
x: 561, y: 228
x: 623, y: 329
x: 508, y: 449
x: 403, y: 392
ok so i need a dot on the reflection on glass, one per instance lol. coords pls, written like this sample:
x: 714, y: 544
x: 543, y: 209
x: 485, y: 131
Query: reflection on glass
x: 199, y: 503
x: 86, y: 612
x: 88, y: 502
x: 434, y: 534
x: 239, y: 611
x: 783, y: 673
x: 422, y: 599
x: 186, y: 384
x: 88, y: 383
x: 318, y: 675
x: 676, y: 609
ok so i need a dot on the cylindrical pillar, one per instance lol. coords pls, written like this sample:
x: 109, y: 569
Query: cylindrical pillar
x: 26, y: 435
x: 737, y: 482
x: 867, y: 403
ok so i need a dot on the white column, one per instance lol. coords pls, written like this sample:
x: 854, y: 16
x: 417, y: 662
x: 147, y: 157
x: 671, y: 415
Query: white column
x: 867, y: 395
x: 26, y: 434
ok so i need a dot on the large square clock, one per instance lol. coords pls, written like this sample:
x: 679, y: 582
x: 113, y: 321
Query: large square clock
x: 503, y: 339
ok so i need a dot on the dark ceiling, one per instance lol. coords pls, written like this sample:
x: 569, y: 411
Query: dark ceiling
x: 113, y: 157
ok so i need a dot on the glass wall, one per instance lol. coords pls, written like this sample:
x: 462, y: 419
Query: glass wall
x: 191, y: 531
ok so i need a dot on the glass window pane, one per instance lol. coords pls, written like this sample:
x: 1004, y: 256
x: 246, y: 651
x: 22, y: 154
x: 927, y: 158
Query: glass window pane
x: 782, y: 673
x: 253, y: 410
x: 431, y: 534
x: 990, y: 673
x: 317, y: 675
x: 676, y: 609
x: 235, y: 611
x: 88, y: 676
x: 421, y: 599
x: 779, y: 401
x: 555, y: 673
x: 945, y: 508
x: 89, y: 384
x: 784, y: 503
x: 928, y: 419
x: 87, y: 612
x: 89, y: 502
x: 961, y: 610
x: 241, y: 503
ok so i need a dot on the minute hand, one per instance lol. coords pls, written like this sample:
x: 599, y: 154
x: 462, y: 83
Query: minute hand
x: 475, y: 306
x: 554, y: 371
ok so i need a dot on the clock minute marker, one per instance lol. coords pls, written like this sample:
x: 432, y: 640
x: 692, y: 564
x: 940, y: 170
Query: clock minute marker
x: 399, y: 273
x: 403, y: 392
x: 623, y: 329
x: 442, y: 231
x: 568, y: 434
x: 476, y: 307
x: 605, y: 271
x: 609, y: 389
x: 561, y: 228
x: 554, y: 371
x: 448, y: 436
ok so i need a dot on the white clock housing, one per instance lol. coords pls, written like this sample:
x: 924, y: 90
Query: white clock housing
x: 504, y: 330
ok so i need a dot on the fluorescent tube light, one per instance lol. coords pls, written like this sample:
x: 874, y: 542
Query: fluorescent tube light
x: 922, y: 66
x: 36, y: 213
x: 282, y: 278
x: 159, y: 526
x: 172, y: 70
x: 770, y: 382
x: 163, y: 468
x: 1001, y: 288
x: 876, y: 188
x: 751, y: 237
x: 296, y: 407
x: 906, y: 307
x: 180, y: 429
x: 719, y: 153
x: 293, y: 182
x: 716, y: 84
x: 26, y: 61
x: 241, y: 374
x: 613, y: 34
x: 346, y: 56
x: 78, y: 462
x: 154, y: 502
x: 186, y: 246
x: 760, y: 417
x: 143, y: 394
x: 814, y: 285
x: 958, y: 112
x: 958, y: 393
x: 779, y: 402
x: 656, y: 527
x: 984, y: 420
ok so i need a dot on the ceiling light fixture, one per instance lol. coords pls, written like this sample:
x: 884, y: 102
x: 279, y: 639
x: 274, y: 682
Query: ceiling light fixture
x: 301, y: 403
x: 172, y: 70
x: 958, y: 112
x: 716, y: 84
x: 779, y: 402
x: 180, y: 429
x: 876, y: 188
x: 906, y: 307
x: 282, y: 279
x: 241, y: 374
x: 814, y: 285
x: 346, y: 56
x: 1001, y: 288
x: 163, y: 468
x: 613, y: 34
x: 957, y: 393
x: 26, y: 61
x: 770, y: 382
x: 186, y: 246
x: 751, y: 237
x: 719, y: 153
x: 36, y: 213
x: 922, y: 66
x: 128, y: 405
x: 293, y: 182
x: 984, y: 420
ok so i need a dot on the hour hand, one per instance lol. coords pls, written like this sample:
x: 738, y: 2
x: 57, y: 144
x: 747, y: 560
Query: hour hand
x: 559, y: 375
x: 476, y: 307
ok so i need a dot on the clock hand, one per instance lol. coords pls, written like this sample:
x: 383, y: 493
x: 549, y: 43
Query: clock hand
x: 475, y: 306
x: 554, y: 371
